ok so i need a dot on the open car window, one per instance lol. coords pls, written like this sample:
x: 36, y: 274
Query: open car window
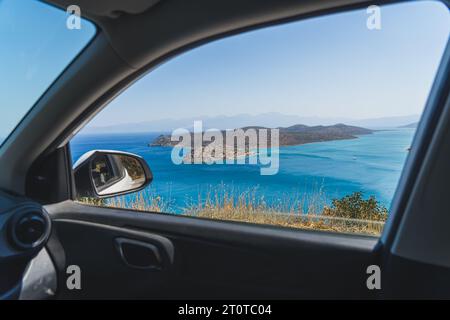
x: 305, y: 125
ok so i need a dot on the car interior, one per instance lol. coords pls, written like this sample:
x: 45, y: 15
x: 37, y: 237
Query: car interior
x: 124, y: 254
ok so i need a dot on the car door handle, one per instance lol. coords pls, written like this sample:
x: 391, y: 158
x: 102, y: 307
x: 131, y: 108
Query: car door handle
x: 139, y: 254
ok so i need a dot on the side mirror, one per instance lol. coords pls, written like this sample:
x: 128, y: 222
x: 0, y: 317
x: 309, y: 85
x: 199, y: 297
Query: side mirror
x: 101, y: 174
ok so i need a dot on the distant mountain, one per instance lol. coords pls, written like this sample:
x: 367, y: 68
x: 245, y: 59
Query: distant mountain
x: 386, y: 122
x: 271, y: 120
x: 411, y: 125
x: 292, y: 135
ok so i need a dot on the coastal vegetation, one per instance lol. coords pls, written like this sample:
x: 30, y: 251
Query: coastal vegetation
x: 350, y: 214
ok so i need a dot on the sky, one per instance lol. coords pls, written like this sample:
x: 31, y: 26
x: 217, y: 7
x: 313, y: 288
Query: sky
x: 35, y: 47
x: 329, y: 66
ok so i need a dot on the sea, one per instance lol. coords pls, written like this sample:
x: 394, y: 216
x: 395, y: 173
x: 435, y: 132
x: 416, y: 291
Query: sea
x: 371, y: 164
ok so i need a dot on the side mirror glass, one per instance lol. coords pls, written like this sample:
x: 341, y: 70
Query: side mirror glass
x: 100, y: 174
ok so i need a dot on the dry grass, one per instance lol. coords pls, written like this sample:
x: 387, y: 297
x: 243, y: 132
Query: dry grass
x: 289, y: 212
x: 294, y: 211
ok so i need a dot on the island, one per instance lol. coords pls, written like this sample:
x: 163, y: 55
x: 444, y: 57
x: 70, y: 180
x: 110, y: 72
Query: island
x: 293, y: 135
x: 288, y: 136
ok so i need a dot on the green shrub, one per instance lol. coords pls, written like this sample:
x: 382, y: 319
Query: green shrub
x: 353, y: 206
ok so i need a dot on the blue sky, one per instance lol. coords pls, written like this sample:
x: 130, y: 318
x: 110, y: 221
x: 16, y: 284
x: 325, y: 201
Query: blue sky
x: 327, y: 67
x: 330, y: 66
x: 35, y: 47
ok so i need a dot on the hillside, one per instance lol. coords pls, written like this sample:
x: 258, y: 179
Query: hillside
x: 301, y: 134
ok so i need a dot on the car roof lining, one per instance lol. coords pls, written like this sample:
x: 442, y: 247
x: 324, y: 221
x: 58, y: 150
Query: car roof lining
x: 150, y: 31
x: 106, y: 8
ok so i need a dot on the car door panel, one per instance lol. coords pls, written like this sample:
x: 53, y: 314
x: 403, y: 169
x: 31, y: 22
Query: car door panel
x: 211, y: 259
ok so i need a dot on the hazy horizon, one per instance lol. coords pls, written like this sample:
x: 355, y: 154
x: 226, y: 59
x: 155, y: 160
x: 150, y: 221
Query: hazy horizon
x: 270, y: 119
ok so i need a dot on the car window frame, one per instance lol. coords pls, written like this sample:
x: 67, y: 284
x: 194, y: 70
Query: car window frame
x: 405, y: 180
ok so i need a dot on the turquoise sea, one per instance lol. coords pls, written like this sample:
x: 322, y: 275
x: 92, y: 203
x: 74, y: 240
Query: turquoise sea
x: 371, y: 164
